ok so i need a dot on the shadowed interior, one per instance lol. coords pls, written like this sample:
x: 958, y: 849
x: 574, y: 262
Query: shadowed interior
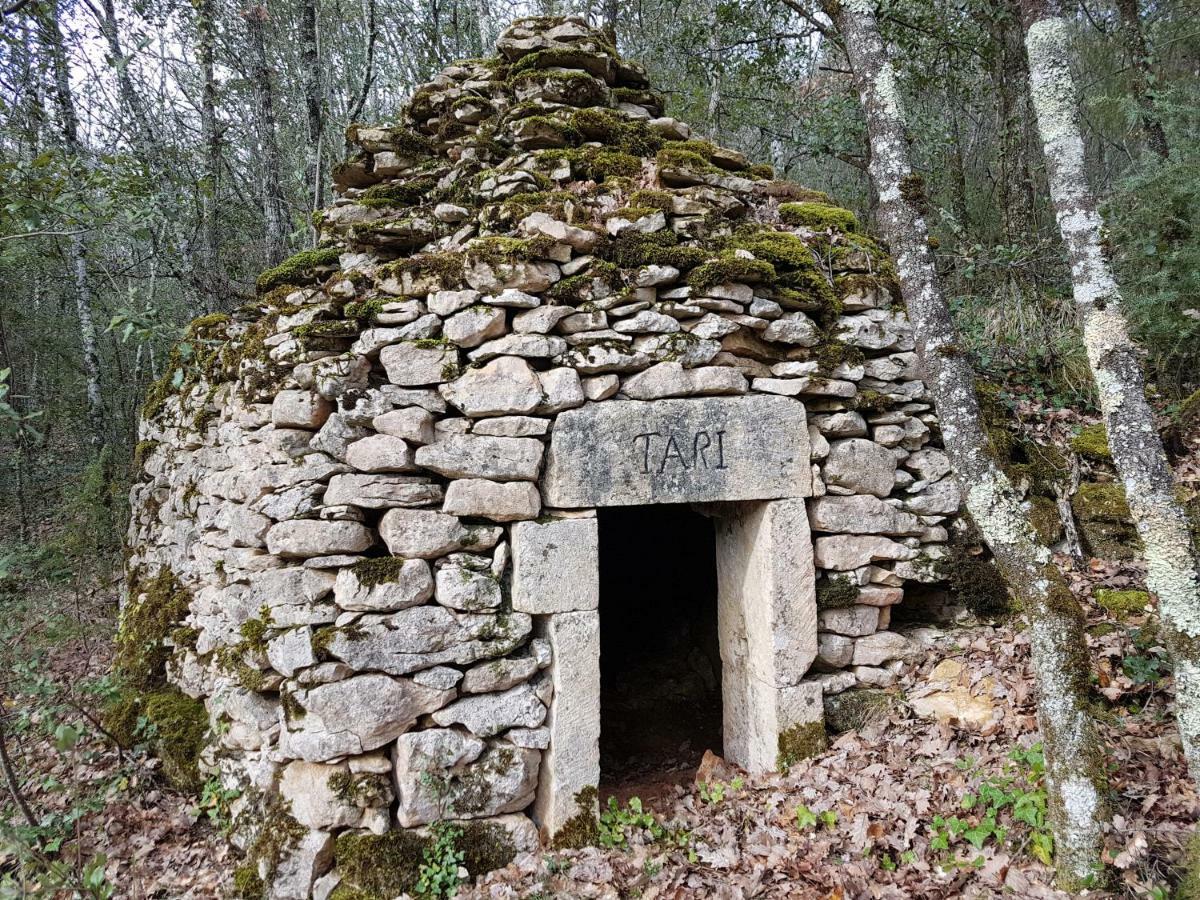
x: 660, y: 665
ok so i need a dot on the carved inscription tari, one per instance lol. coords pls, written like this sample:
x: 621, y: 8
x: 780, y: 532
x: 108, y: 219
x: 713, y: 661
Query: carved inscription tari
x: 630, y: 452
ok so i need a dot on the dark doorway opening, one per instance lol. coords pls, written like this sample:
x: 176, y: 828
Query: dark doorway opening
x: 660, y: 663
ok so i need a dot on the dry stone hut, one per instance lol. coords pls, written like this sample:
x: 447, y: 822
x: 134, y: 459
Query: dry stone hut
x: 561, y: 378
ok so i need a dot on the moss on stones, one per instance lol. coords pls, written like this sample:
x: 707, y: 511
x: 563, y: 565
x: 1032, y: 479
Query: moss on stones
x: 973, y: 578
x: 663, y: 200
x: 1122, y: 603
x: 172, y: 724
x: 857, y: 708
x: 1092, y: 443
x: 819, y: 216
x: 1043, y: 515
x: 378, y: 570
x: 731, y: 268
x: 597, y: 164
x: 836, y: 592
x: 404, y: 193
x: 377, y: 867
x: 1105, y: 521
x: 583, y: 828
x: 633, y: 249
x: 156, y: 605
x: 800, y: 742
x: 300, y: 269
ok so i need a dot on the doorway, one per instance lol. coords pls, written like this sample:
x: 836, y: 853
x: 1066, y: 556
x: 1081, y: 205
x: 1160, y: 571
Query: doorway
x: 660, y: 663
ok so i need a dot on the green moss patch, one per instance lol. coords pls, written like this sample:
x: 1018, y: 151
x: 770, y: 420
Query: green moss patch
x: 300, y: 269
x: 1092, y: 443
x: 379, y: 570
x: 819, y: 216
x: 1122, y: 603
x: 593, y: 163
x: 836, y: 592
x: 171, y: 723
x: 800, y: 742
x: 583, y: 828
x: 857, y: 708
x: 156, y: 606
x: 731, y: 268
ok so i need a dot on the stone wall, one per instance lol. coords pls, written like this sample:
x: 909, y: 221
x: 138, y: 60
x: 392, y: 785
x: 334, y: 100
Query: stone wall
x: 333, y: 474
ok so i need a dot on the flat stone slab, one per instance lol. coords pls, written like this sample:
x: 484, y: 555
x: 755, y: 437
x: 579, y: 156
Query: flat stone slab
x: 630, y: 452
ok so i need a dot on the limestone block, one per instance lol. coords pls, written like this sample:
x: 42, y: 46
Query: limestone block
x: 671, y: 379
x: 556, y: 566
x: 447, y: 303
x: 409, y: 364
x: 942, y: 498
x: 336, y: 435
x: 291, y: 650
x: 834, y: 651
x: 531, y: 346
x: 489, y: 714
x: 426, y: 636
x: 499, y: 675
x: 510, y: 501
x: 300, y: 865
x: 572, y: 761
x: 793, y: 328
x: 411, y: 424
x: 766, y: 614
x: 930, y: 464
x: 472, y: 326
x: 860, y: 514
x: 503, y: 386
x: 883, y: 646
x: 678, y: 451
x: 861, y: 466
x: 307, y: 537
x: 425, y: 534
x: 876, y: 329
x: 300, y: 409
x: 356, y: 715
x: 540, y: 320
x: 440, y: 677
x: 842, y: 553
x: 512, y: 426
x: 384, y: 585
x: 314, y: 802
x: 852, y: 621
x: 561, y: 389
x: 437, y: 779
x: 465, y: 590
x: 380, y: 453
x: 842, y: 424
x: 601, y: 387
x: 479, y: 456
x: 381, y: 491
x: 876, y: 595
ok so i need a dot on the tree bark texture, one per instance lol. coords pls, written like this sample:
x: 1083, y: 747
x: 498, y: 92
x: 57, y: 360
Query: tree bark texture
x: 214, y: 281
x: 274, y: 213
x: 313, y: 105
x: 1139, y: 60
x: 1075, y: 777
x: 77, y: 242
x: 1172, y: 570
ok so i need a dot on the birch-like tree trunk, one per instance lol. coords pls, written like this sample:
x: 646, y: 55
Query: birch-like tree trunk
x: 1139, y: 61
x: 274, y: 213
x: 1075, y: 777
x: 77, y: 242
x: 314, y: 106
x: 215, y: 284
x: 1172, y: 565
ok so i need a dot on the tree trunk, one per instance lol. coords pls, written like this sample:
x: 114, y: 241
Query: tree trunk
x: 274, y: 213
x: 310, y: 53
x: 77, y: 246
x: 214, y: 285
x: 1139, y: 60
x: 1172, y: 565
x: 368, y: 78
x: 1075, y: 778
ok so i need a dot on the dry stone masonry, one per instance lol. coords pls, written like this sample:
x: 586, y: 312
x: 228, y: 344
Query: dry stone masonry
x: 375, y: 487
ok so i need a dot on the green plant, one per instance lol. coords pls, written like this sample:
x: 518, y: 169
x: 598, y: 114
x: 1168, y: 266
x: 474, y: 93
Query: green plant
x: 714, y: 792
x: 807, y: 818
x: 1013, y: 802
x: 438, y: 876
x: 214, y: 804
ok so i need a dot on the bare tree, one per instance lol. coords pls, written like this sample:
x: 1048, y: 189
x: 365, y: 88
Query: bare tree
x: 274, y: 210
x: 314, y: 104
x: 214, y: 282
x: 1075, y: 778
x: 1139, y: 61
x: 77, y: 248
x: 1172, y: 566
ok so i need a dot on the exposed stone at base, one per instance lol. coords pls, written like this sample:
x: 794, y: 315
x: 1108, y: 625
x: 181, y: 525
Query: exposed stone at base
x: 363, y: 552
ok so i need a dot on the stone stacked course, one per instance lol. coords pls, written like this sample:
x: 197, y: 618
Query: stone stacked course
x: 333, y: 473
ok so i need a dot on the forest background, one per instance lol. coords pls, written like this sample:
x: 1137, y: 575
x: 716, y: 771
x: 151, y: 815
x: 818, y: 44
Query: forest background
x: 155, y: 155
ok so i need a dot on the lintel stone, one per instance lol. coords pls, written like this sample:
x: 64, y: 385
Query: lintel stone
x: 631, y: 452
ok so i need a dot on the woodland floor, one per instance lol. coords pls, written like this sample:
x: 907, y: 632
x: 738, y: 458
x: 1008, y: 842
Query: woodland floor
x: 899, y: 808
